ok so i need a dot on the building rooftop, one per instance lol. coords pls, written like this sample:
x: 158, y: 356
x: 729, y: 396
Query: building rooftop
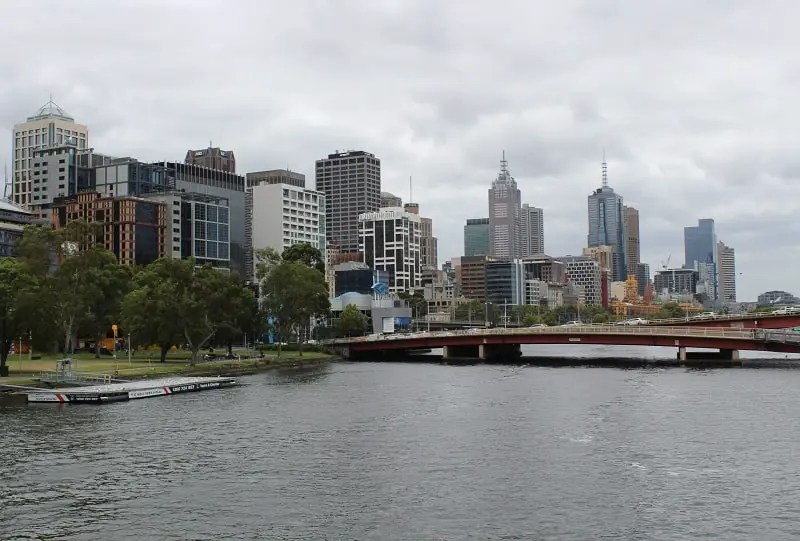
x: 8, y: 206
x: 50, y: 110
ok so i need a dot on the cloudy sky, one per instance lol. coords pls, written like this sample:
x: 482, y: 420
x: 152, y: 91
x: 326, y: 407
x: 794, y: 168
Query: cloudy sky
x: 691, y: 100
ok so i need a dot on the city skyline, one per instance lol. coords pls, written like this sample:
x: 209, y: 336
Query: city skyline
x: 447, y: 131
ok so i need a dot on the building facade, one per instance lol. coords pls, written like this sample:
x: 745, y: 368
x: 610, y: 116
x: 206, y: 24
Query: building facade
x: 476, y: 237
x: 390, y: 241
x: 212, y: 158
x: 351, y: 182
x: 13, y: 219
x: 633, y: 244
x: 604, y: 255
x: 276, y: 176
x: 531, y: 231
x: 133, y: 228
x: 198, y: 226
x: 587, y: 275
x: 643, y: 277
x: 428, y: 243
x: 676, y: 281
x: 55, y: 174
x: 700, y: 244
x: 607, y: 225
x: 471, y: 276
x: 48, y: 127
x: 726, y: 269
x: 282, y: 215
x: 505, y: 215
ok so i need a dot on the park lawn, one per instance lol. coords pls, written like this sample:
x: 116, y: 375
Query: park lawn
x: 23, y: 371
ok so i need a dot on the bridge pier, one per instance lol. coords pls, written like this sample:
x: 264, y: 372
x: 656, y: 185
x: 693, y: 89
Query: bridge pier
x: 461, y: 352
x: 499, y: 352
x: 721, y: 355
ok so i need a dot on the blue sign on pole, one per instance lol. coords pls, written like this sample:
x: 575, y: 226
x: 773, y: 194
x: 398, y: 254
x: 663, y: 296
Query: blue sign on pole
x: 270, y: 338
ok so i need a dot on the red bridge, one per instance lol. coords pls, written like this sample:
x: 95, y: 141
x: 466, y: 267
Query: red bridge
x: 489, y: 344
x: 762, y: 320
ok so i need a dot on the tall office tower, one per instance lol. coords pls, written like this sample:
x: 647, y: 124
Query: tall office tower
x: 351, y: 182
x: 700, y: 244
x: 531, y: 231
x: 49, y: 127
x: 476, y: 237
x: 607, y: 226
x: 390, y: 242
x: 276, y: 176
x: 726, y: 269
x: 631, y: 216
x: 429, y: 244
x: 389, y: 200
x: 505, y: 215
x: 213, y: 158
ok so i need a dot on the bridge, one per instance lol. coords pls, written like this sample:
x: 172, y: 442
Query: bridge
x: 505, y: 344
x: 732, y: 321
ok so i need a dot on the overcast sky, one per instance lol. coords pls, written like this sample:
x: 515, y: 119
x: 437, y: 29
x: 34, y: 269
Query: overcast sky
x: 692, y: 101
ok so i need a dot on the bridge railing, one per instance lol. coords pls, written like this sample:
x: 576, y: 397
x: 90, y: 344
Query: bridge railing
x: 613, y: 330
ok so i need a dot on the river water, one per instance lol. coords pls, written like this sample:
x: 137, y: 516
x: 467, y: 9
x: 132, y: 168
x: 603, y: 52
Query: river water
x: 420, y: 451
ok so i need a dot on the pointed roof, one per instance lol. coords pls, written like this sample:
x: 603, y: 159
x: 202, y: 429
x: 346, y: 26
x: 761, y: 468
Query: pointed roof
x: 50, y: 110
x: 505, y: 175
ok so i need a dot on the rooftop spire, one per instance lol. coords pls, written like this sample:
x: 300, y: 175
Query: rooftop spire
x: 605, y: 170
x: 504, y: 163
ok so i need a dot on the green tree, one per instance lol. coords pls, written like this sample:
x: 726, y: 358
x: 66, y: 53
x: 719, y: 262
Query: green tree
x: 242, y: 307
x: 352, y: 322
x: 293, y: 293
x: 669, y: 310
x: 107, y: 284
x: 266, y: 260
x: 18, y: 294
x: 39, y: 249
x: 306, y: 254
x: 416, y: 302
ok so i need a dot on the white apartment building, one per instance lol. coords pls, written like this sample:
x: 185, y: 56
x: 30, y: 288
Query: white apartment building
x: 531, y: 231
x: 389, y: 240
x: 50, y: 126
x: 281, y: 215
x: 726, y: 269
x: 587, y: 274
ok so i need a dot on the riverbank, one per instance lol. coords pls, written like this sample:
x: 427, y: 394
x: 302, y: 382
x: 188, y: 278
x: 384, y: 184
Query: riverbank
x: 25, y: 372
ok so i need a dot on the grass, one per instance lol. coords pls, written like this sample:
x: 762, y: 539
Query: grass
x: 146, y: 364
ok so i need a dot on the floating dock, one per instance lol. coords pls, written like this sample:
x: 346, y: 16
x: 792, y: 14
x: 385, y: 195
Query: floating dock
x: 117, y: 392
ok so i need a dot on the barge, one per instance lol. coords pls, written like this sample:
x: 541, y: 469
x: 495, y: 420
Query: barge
x: 131, y: 390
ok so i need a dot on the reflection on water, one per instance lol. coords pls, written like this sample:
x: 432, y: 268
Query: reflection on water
x: 416, y: 451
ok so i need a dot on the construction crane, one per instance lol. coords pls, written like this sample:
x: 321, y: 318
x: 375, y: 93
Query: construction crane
x: 665, y: 265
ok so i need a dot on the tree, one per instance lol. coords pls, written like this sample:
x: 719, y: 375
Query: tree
x: 17, y: 295
x: 107, y: 284
x: 293, y: 294
x: 38, y: 249
x: 266, y: 260
x: 306, y: 254
x: 149, y: 311
x: 670, y: 310
x: 242, y: 308
x: 352, y: 322
x: 417, y: 303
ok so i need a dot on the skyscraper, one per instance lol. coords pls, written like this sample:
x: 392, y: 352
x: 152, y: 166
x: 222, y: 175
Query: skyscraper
x: 49, y: 127
x: 700, y: 244
x: 607, y: 226
x: 531, y: 231
x: 726, y: 270
x: 632, y: 231
x: 429, y: 245
x: 476, y: 237
x: 505, y: 214
x: 351, y: 182
x: 390, y: 242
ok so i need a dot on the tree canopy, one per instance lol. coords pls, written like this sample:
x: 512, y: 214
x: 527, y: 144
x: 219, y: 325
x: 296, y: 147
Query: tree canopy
x: 306, y: 254
x: 352, y: 322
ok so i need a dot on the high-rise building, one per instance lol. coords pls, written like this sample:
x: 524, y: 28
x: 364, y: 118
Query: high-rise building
x: 700, y: 244
x: 505, y: 215
x: 48, y: 127
x: 531, y: 231
x: 476, y: 237
x: 212, y: 158
x: 587, y: 275
x: 631, y: 216
x: 351, y: 182
x: 428, y: 243
x: 390, y: 241
x: 389, y: 200
x: 282, y: 215
x: 133, y: 228
x: 276, y: 176
x: 726, y: 269
x: 604, y: 255
x: 607, y: 226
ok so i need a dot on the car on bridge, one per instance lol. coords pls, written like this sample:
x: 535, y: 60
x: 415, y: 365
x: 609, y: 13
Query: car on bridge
x: 573, y: 323
x: 537, y: 325
x: 633, y: 321
x: 705, y: 315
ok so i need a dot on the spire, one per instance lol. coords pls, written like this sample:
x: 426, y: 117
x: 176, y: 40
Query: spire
x: 504, y: 164
x: 605, y: 170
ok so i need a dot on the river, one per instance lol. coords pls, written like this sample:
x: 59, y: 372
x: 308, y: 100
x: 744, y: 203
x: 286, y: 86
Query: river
x: 383, y: 451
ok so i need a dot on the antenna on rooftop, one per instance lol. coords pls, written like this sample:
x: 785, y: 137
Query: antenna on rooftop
x: 504, y: 163
x: 410, y: 191
x: 605, y: 170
